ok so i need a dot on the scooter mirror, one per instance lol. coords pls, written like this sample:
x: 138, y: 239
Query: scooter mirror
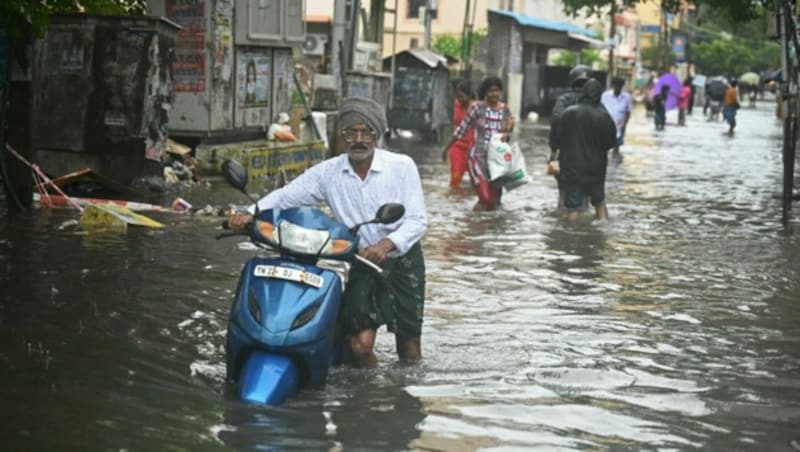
x: 235, y: 174
x: 389, y: 213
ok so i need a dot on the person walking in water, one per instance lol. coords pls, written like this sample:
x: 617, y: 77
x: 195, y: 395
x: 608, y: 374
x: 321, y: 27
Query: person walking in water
x: 619, y: 105
x: 488, y: 117
x: 354, y: 185
x: 683, y: 101
x: 660, y: 107
x: 578, y: 75
x: 730, y: 105
x: 584, y: 133
x: 460, y: 148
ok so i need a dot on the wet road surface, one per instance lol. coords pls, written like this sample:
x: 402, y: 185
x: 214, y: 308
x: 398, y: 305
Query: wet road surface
x: 676, y: 325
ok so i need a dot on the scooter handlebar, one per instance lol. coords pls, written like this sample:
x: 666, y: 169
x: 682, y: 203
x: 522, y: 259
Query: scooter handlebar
x: 369, y: 263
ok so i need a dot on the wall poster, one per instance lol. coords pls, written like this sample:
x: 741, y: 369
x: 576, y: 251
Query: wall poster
x: 253, y: 76
x: 190, y: 53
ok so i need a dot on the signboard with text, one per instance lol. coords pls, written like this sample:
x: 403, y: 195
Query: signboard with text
x: 190, y: 49
x: 679, y: 48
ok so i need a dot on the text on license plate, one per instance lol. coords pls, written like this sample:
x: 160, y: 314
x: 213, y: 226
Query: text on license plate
x: 289, y: 274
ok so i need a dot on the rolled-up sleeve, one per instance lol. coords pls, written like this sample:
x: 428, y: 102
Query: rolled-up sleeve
x: 415, y: 220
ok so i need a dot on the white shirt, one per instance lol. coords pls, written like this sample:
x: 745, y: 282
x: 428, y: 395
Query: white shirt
x: 618, y: 107
x: 391, y: 178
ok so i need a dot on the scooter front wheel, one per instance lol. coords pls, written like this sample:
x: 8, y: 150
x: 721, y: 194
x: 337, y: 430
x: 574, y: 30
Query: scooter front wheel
x: 267, y: 378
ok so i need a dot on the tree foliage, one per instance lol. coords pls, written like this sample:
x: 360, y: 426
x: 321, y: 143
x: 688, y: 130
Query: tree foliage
x: 717, y: 47
x: 732, y: 57
x: 452, y: 45
x: 734, y: 11
x: 570, y: 58
x: 658, y: 56
x: 28, y: 17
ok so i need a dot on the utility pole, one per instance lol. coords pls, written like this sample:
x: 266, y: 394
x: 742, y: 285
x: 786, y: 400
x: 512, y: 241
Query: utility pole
x: 612, y: 42
x: 466, y: 35
x: 788, y: 99
x: 428, y: 20
x: 337, y: 42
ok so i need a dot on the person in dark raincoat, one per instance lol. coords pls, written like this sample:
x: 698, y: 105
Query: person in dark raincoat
x: 583, y: 134
x: 578, y: 75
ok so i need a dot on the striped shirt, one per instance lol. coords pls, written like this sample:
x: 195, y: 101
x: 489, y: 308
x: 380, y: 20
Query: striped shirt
x: 391, y: 178
x: 486, y: 121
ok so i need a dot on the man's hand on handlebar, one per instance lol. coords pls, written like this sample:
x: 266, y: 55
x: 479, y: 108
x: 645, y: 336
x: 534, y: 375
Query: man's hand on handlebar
x: 239, y: 221
x: 378, y: 252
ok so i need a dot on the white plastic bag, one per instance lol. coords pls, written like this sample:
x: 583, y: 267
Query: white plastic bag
x: 505, y: 161
x: 518, y: 175
x: 498, y: 158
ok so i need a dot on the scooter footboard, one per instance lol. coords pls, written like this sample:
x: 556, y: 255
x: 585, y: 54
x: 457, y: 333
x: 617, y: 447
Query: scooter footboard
x: 267, y: 378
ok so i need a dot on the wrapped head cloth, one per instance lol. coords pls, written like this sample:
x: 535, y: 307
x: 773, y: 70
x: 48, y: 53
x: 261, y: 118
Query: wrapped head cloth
x: 362, y: 110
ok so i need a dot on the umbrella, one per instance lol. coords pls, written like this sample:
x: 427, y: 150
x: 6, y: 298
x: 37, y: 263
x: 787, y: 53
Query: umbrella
x: 674, y: 84
x: 716, y: 88
x: 750, y: 78
x: 776, y: 76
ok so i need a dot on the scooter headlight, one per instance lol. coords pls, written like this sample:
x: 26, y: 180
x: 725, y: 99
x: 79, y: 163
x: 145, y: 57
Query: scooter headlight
x: 303, y: 240
x: 306, y: 316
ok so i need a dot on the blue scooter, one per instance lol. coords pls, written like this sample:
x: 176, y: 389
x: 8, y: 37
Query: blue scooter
x: 282, y: 327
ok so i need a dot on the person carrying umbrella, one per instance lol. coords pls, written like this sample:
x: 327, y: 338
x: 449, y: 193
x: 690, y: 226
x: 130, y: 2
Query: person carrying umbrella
x: 660, y: 102
x: 750, y: 82
x: 715, y: 94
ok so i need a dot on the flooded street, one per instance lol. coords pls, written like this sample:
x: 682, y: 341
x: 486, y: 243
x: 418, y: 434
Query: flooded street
x: 675, y: 326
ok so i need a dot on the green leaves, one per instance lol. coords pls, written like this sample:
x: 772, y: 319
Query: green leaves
x: 451, y: 45
x: 733, y: 10
x: 733, y: 57
x: 570, y: 58
x: 25, y: 18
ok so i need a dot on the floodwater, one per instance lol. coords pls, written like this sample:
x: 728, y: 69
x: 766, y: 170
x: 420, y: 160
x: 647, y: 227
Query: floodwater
x: 675, y: 326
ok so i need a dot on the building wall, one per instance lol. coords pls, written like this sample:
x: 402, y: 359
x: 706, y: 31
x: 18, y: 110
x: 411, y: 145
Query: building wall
x: 449, y: 20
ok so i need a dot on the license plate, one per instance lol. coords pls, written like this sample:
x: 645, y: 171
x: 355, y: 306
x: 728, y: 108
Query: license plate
x: 289, y: 274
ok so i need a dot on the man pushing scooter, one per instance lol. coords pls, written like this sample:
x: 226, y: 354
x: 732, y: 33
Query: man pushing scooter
x: 354, y: 185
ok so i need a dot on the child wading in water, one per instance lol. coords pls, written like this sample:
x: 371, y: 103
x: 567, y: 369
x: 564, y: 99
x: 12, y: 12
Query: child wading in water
x: 487, y: 117
x: 460, y: 148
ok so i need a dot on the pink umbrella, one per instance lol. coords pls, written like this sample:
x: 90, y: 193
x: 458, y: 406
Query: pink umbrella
x: 674, y: 83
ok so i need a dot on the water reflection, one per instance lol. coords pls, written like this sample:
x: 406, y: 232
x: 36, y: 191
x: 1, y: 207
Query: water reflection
x: 359, y: 410
x: 576, y: 253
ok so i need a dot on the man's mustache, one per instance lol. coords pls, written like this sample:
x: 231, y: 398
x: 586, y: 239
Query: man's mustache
x: 358, y: 147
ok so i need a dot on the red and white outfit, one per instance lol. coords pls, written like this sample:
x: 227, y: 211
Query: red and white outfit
x: 485, y: 121
x: 459, y: 150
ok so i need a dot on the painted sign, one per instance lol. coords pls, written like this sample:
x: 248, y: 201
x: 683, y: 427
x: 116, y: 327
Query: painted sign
x: 223, y: 41
x: 253, y: 74
x: 652, y: 29
x: 190, y: 54
x: 679, y: 47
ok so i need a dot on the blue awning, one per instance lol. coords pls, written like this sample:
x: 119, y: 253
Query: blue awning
x: 528, y: 21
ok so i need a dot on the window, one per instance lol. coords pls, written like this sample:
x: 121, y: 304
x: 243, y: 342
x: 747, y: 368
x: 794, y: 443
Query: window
x: 415, y: 5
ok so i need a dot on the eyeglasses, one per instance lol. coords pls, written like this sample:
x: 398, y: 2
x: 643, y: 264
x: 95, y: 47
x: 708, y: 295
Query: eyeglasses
x: 366, y: 136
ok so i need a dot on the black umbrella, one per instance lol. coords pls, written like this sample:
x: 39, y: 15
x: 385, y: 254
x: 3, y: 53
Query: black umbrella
x: 776, y: 76
x: 716, y: 89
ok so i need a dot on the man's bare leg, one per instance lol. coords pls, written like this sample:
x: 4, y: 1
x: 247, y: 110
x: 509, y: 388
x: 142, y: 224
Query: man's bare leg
x: 574, y: 215
x: 409, y: 349
x: 601, y: 212
x: 361, y: 346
